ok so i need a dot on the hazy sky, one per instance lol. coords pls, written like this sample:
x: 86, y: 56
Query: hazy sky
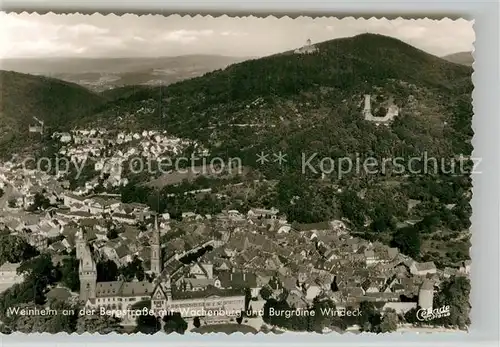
x: 32, y: 35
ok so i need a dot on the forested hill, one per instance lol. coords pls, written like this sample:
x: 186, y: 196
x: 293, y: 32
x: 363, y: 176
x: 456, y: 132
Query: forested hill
x: 24, y: 96
x: 304, y: 104
x: 313, y: 101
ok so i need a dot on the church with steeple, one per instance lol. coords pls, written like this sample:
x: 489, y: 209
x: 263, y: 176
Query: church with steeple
x: 121, y: 295
x: 156, y: 258
x: 87, y: 269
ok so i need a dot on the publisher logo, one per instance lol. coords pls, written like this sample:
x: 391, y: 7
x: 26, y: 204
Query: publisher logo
x: 426, y: 314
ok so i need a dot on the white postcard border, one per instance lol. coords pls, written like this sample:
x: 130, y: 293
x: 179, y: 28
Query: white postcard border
x: 486, y: 189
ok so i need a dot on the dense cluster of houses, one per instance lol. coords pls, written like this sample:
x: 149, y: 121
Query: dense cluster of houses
x: 107, y: 152
x: 251, y: 251
x: 256, y: 250
x: 81, y: 144
x: 323, y: 260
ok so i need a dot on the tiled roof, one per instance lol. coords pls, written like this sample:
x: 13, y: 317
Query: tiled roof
x: 199, y: 282
x: 237, y: 279
x: 104, y: 289
x: 122, y: 251
x: 425, y: 266
x: 137, y: 288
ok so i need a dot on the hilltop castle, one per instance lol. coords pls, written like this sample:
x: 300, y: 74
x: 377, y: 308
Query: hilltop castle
x: 307, y: 49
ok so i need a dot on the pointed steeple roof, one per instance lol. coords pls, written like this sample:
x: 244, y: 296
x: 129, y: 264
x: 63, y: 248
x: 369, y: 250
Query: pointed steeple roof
x: 155, y: 239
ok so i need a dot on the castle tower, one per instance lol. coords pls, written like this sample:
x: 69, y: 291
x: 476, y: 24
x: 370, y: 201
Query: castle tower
x: 426, y: 295
x: 156, y: 250
x: 168, y: 288
x: 368, y: 106
x: 79, y: 244
x: 308, y: 42
x: 87, y: 272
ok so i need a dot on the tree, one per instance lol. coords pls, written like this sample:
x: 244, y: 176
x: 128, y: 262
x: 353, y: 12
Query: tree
x: 296, y: 323
x: 1, y: 192
x: 12, y: 203
x: 265, y: 292
x: 353, y: 208
x: 389, y: 321
x: 428, y: 224
x: 196, y: 322
x: 112, y: 234
x: 132, y: 270
x: 102, y: 324
x: 69, y: 273
x: 147, y: 324
x: 370, y: 318
x: 107, y: 271
x: 455, y: 293
x: 63, y: 321
x: 382, y: 223
x: 39, y: 273
x: 408, y: 241
x: 324, y: 315
x: 14, y: 249
x: 174, y: 323
x: 156, y: 203
x: 380, y: 112
x: 411, y: 316
x: 40, y: 202
x: 5, y: 330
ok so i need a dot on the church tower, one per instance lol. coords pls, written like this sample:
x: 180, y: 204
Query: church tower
x: 168, y: 288
x: 80, y: 244
x: 156, y: 250
x: 87, y: 272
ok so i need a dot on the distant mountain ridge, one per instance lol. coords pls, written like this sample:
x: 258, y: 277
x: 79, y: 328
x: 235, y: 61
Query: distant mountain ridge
x: 290, y: 96
x: 463, y: 58
x: 100, y: 74
x: 348, y: 65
